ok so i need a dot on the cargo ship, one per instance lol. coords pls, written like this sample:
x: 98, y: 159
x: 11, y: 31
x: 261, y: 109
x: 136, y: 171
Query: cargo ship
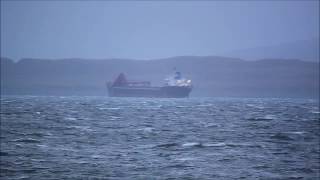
x: 175, y: 87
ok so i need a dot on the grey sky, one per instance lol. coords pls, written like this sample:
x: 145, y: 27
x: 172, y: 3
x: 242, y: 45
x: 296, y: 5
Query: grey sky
x: 143, y: 30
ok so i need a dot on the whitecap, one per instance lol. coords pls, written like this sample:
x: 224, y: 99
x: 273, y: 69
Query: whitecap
x: 204, y: 105
x: 70, y: 118
x: 18, y: 144
x: 23, y: 177
x: 114, y: 117
x: 190, y: 144
x: 297, y: 132
x: 255, y: 106
x: 251, y: 105
x: 109, y: 108
x: 211, y: 125
x: 186, y: 159
x: 147, y: 129
x: 48, y: 134
x: 269, y: 117
x: 181, y: 106
x: 315, y: 112
x: 102, y: 108
x: 264, y: 118
x: 214, y: 144
x: 42, y: 146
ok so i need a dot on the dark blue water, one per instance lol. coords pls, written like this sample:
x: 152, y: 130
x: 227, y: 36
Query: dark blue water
x: 131, y: 138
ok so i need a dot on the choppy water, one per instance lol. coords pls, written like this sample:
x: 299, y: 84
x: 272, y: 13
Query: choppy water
x: 130, y: 138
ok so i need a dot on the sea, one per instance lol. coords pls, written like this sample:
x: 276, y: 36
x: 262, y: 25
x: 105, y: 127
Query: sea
x: 54, y: 137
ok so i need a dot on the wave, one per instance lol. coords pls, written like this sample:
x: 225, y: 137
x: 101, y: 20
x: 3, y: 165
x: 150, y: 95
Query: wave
x: 211, y: 125
x: 167, y: 145
x: 81, y: 128
x: 192, y: 144
x: 214, y: 144
x: 114, y: 117
x: 178, y: 166
x: 147, y: 129
x: 4, y: 153
x: 70, y: 118
x: 203, y: 145
x: 204, y: 105
x: 243, y: 145
x: 38, y: 134
x: 27, y: 140
x: 220, y: 144
x: 297, y: 132
x: 186, y: 159
x: 105, y: 108
x: 255, y: 106
x: 315, y: 112
x: 281, y: 136
x: 264, y: 118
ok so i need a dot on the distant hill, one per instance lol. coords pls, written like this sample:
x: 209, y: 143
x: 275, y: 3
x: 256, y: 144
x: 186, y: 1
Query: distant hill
x: 305, y: 49
x: 211, y: 75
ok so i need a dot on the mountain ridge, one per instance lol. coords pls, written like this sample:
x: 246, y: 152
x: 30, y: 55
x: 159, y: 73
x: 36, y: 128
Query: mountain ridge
x: 307, y: 50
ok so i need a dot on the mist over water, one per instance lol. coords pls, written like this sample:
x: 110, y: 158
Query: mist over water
x: 145, y: 138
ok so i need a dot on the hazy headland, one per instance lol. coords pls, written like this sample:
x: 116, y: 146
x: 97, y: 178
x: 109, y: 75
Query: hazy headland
x: 212, y: 76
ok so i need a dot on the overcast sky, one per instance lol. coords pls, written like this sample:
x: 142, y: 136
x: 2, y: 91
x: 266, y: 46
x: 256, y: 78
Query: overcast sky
x: 148, y: 30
